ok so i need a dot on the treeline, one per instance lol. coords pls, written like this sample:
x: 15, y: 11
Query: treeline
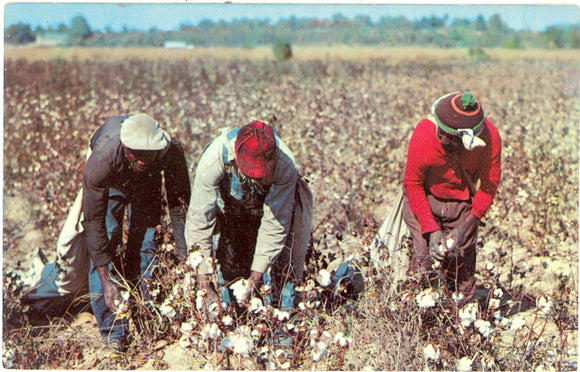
x: 394, y: 31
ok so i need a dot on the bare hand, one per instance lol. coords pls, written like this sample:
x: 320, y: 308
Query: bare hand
x: 110, y: 291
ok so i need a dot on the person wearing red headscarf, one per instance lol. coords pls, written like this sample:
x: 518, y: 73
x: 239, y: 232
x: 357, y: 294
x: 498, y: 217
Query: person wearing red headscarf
x: 451, y: 177
x: 245, y: 188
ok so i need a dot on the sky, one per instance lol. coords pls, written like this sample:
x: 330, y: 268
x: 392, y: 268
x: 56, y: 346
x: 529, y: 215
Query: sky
x: 170, y: 15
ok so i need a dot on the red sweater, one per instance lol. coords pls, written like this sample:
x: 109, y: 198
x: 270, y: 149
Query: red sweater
x: 431, y: 170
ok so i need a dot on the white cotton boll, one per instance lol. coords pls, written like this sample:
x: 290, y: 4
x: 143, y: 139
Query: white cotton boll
x: 468, y: 314
x: 194, y: 259
x: 490, y: 266
x: 8, y: 355
x: 240, y: 290
x: 341, y: 339
x: 210, y: 332
x: 125, y: 295
x: 517, y: 322
x: 290, y: 326
x: 281, y: 315
x: 227, y: 320
x: 240, y: 341
x: 427, y: 298
x: 319, y: 350
x: 167, y: 310
x: 431, y: 352
x: 324, y: 278
x: 544, y: 304
x: 498, y: 293
x: 464, y: 364
x: 188, y: 280
x: 186, y: 328
x: 285, y: 365
x: 184, y: 342
x: 256, y: 305
x: 199, y: 298
x: 494, y: 303
x: 457, y: 296
x: 301, y: 306
x: 484, y: 327
x: 209, y: 263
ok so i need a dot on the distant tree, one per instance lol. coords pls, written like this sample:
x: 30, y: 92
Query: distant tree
x: 79, y: 31
x: 514, y: 42
x: 62, y: 28
x: 282, y: 50
x: 555, y: 37
x: 20, y: 33
x: 479, y: 24
x: 496, y: 24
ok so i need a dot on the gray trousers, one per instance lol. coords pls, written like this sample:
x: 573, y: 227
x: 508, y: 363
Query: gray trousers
x: 457, y: 269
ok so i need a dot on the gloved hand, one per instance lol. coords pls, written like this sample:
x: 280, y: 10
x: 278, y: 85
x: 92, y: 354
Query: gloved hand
x: 459, y: 234
x: 437, y: 247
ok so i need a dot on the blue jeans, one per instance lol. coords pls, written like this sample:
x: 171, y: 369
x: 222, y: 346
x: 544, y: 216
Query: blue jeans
x: 111, y: 326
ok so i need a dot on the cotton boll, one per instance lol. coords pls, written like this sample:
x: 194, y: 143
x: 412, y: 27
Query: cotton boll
x: 468, y: 314
x: 431, y: 352
x: 167, y: 310
x: 227, y: 320
x: 341, y: 339
x: 240, y: 290
x: 324, y: 278
x: 240, y: 341
x: 256, y: 305
x: 544, y: 304
x: 194, y: 259
x: 184, y: 342
x: 281, y: 315
x: 464, y: 364
x: 210, y: 332
x: 484, y: 327
x: 517, y: 322
x: 427, y: 298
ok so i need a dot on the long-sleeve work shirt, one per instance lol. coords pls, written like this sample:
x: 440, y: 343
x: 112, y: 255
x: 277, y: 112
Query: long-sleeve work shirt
x: 432, y: 170
x: 278, y: 204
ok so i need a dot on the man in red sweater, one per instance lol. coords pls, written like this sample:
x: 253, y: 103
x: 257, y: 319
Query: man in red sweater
x: 451, y: 177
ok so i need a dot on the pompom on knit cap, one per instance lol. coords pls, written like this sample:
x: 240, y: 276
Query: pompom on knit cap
x: 142, y: 132
x: 458, y: 111
x: 255, y: 147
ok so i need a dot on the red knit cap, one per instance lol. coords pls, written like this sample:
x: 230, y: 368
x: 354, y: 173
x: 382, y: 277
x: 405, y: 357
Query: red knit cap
x: 255, y: 147
x: 458, y: 111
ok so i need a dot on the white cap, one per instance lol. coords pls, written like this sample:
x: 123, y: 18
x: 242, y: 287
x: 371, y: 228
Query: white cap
x: 141, y: 132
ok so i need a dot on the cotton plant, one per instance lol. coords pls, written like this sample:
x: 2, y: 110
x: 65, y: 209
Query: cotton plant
x: 319, y: 341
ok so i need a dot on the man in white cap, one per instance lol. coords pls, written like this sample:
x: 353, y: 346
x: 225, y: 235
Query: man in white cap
x: 130, y: 156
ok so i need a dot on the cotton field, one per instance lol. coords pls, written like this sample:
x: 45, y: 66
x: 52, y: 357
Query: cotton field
x: 348, y: 123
